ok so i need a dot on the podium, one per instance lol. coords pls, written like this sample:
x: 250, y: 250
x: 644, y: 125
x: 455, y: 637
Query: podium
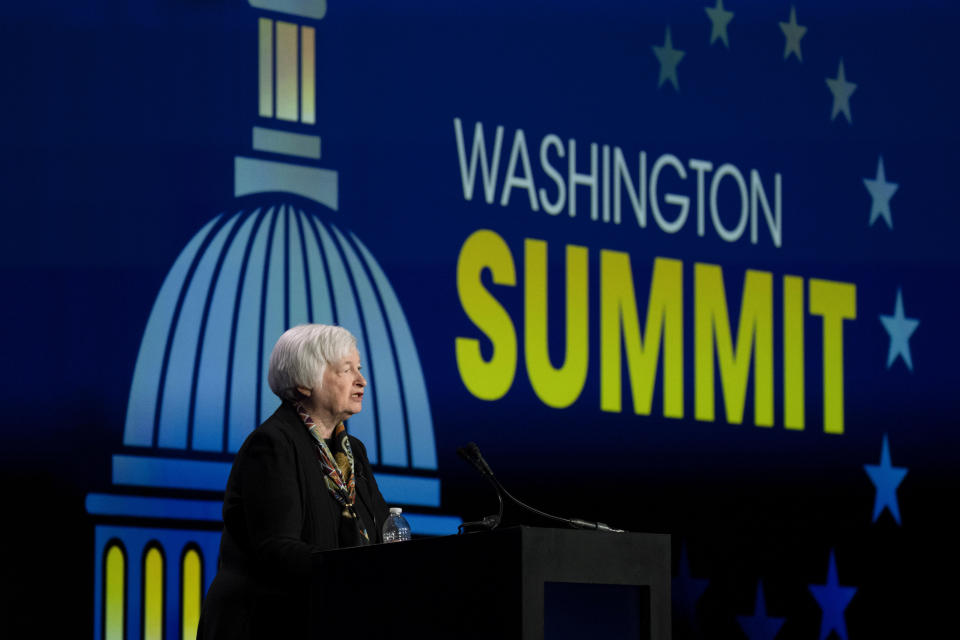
x: 518, y: 583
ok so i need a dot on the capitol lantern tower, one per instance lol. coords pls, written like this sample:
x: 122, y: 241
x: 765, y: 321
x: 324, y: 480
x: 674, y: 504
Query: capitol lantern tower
x: 272, y: 261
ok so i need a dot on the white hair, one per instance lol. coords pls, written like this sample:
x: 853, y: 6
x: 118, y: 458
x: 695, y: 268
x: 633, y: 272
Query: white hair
x: 302, y: 354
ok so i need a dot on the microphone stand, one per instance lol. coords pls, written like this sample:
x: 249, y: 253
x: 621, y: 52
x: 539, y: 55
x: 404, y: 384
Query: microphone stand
x: 471, y: 453
x: 488, y: 522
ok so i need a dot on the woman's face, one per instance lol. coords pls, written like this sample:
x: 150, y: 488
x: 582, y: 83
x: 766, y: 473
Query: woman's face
x: 341, y: 393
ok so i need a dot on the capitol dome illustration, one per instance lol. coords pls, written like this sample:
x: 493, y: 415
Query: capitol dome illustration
x: 272, y: 261
x: 200, y: 379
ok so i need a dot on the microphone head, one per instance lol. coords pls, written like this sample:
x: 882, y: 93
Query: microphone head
x: 478, y: 460
x: 471, y: 453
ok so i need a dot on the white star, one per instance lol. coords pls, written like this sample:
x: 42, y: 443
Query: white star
x: 880, y: 191
x: 719, y: 18
x: 669, y: 58
x: 793, y: 32
x: 842, y: 90
x: 900, y: 329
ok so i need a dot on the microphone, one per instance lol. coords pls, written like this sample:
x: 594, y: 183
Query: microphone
x: 471, y: 453
x: 478, y: 459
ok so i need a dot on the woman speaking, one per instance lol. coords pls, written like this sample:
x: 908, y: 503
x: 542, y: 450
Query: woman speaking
x: 299, y: 485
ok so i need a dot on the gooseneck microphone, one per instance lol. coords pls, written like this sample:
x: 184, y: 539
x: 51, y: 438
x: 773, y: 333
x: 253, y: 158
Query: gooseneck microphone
x: 471, y: 453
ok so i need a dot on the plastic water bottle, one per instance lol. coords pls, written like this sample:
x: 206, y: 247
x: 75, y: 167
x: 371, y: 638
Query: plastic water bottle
x: 396, y: 529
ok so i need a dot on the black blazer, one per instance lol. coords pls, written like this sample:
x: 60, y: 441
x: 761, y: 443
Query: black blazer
x: 278, y: 515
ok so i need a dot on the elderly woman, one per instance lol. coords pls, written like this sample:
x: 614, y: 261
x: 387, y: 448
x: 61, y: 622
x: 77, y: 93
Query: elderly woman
x: 299, y: 485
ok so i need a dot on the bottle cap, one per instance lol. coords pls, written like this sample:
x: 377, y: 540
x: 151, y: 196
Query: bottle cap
x: 395, y: 511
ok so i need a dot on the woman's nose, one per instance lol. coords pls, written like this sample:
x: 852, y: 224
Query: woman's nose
x: 361, y: 381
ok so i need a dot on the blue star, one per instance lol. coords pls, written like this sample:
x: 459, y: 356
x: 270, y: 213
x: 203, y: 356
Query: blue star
x: 886, y: 478
x: 669, y: 58
x: 841, y: 90
x: 793, y: 32
x: 760, y: 626
x: 833, y: 599
x: 686, y: 590
x: 900, y: 329
x: 719, y: 19
x: 880, y: 193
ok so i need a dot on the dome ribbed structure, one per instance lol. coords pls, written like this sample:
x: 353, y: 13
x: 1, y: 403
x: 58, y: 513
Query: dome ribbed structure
x: 200, y: 380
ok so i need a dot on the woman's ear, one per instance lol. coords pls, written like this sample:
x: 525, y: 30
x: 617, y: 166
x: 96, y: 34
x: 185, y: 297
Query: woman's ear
x: 304, y: 391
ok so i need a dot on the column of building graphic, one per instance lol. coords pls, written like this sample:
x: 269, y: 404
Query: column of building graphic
x: 199, y: 384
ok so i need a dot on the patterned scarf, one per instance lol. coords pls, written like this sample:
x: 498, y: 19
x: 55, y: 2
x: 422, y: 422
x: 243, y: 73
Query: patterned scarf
x: 338, y: 472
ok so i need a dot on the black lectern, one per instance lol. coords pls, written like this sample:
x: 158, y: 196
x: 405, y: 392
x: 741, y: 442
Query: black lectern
x: 518, y: 583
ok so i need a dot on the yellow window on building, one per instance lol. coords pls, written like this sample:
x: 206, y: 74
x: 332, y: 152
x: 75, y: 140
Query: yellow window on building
x: 115, y: 578
x: 153, y: 594
x: 191, y: 592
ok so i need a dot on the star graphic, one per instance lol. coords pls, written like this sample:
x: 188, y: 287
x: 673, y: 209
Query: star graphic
x: 880, y: 191
x: 760, y: 626
x: 900, y: 329
x: 794, y: 33
x: 719, y: 18
x: 686, y: 590
x: 842, y: 90
x: 886, y: 478
x: 833, y: 599
x: 669, y: 58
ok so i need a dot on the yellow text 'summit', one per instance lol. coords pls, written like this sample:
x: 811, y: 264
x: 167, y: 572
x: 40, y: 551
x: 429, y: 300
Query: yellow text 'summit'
x: 715, y: 346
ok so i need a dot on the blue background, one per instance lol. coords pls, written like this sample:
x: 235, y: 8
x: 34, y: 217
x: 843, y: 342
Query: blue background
x: 121, y: 123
